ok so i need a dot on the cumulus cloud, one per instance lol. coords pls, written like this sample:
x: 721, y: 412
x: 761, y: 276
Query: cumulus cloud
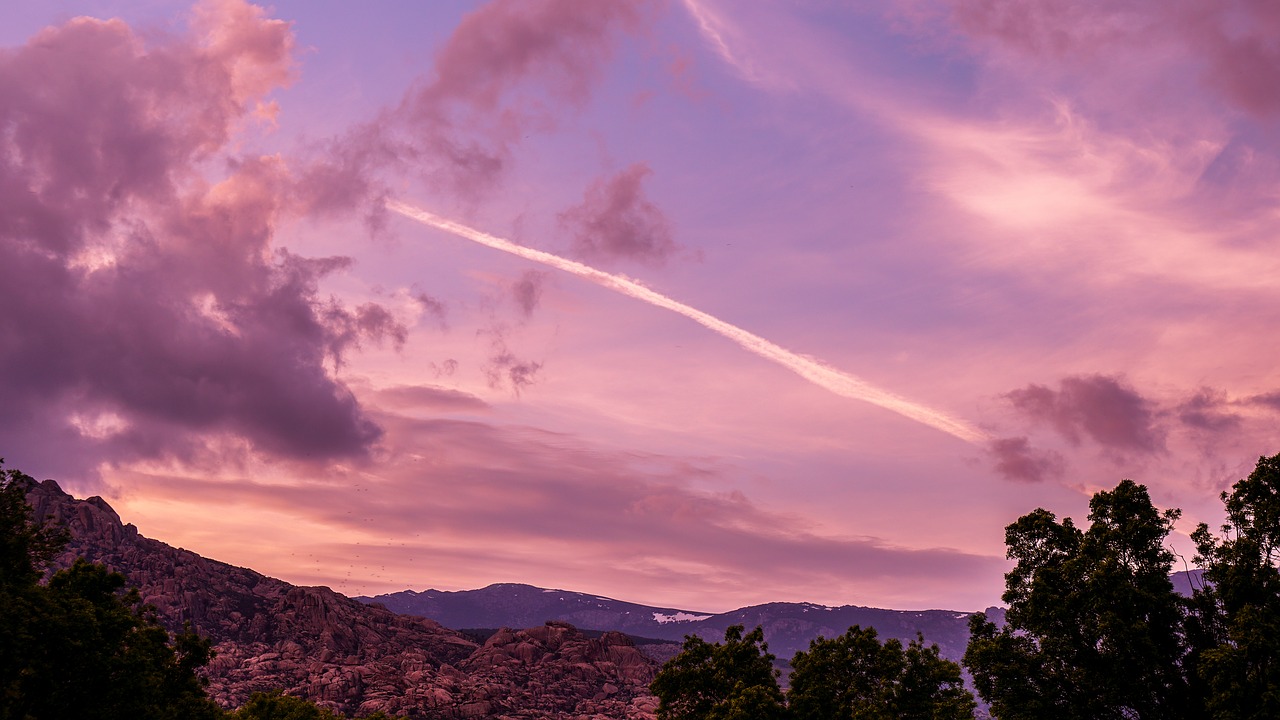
x: 136, y: 291
x: 617, y: 221
x: 1098, y: 407
x: 1015, y: 459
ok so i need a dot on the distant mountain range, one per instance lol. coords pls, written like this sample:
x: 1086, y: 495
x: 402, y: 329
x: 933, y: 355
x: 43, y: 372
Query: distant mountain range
x: 788, y: 627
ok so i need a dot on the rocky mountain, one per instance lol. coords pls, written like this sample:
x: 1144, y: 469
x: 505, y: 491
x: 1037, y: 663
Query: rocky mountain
x: 788, y: 627
x: 350, y: 656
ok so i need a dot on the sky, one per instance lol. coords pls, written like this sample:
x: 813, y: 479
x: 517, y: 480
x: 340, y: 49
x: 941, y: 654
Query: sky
x: 693, y: 303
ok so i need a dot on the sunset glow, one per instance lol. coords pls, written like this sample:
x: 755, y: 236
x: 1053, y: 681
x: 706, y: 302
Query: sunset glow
x: 1015, y: 252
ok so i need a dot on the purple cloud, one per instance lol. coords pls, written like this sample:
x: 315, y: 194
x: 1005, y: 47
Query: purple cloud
x: 1015, y: 459
x: 488, y: 88
x: 500, y: 494
x: 1206, y: 411
x: 144, y: 310
x: 504, y: 366
x: 1232, y: 40
x: 527, y: 291
x: 404, y: 397
x: 617, y: 221
x: 1094, y: 406
x: 1269, y: 400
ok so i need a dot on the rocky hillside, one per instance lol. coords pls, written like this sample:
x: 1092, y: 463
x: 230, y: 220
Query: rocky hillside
x: 788, y: 627
x: 350, y: 656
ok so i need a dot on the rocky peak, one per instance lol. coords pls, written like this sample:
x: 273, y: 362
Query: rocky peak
x: 354, y: 658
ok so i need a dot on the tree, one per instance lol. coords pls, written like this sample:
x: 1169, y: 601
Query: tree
x: 276, y: 706
x: 855, y: 677
x: 731, y: 681
x: 1094, y: 625
x: 26, y: 548
x: 1239, y: 607
x: 76, y: 647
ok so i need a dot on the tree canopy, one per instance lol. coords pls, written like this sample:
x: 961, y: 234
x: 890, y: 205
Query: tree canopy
x: 1093, y: 622
x: 735, y: 680
x: 1238, y: 609
x: 77, y: 647
x: 1095, y: 629
x: 851, y: 677
x: 856, y: 677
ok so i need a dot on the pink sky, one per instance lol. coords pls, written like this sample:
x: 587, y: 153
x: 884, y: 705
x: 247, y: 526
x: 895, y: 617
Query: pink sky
x: 1052, y: 222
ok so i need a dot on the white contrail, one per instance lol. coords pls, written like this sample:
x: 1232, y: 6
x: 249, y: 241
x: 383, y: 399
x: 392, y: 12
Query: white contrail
x: 812, y: 370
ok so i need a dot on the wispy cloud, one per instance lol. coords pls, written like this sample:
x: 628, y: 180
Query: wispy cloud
x: 538, y: 507
x: 814, y: 371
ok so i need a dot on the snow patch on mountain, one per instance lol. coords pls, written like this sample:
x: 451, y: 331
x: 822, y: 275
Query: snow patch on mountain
x: 678, y: 617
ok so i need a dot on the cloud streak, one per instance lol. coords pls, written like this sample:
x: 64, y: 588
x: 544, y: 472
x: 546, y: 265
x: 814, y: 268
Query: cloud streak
x: 816, y: 372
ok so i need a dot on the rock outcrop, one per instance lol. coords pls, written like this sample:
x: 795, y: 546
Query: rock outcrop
x: 352, y: 657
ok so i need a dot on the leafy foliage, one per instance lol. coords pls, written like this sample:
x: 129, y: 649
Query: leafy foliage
x: 1094, y: 625
x: 850, y: 677
x: 26, y: 548
x: 854, y: 676
x: 76, y: 647
x: 731, y: 681
x: 277, y: 706
x: 1238, y: 619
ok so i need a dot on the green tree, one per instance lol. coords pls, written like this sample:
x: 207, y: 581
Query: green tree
x: 1239, y: 607
x: 77, y: 648
x: 26, y: 549
x: 276, y: 706
x: 855, y: 677
x: 735, y: 680
x: 1094, y: 625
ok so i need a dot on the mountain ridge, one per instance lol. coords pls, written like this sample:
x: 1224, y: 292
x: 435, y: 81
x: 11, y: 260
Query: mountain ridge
x: 350, y: 656
x: 788, y: 627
